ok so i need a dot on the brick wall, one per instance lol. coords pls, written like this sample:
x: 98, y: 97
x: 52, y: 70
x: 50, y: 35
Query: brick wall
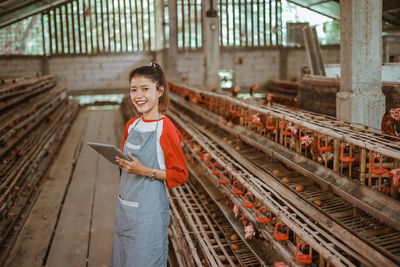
x: 20, y: 66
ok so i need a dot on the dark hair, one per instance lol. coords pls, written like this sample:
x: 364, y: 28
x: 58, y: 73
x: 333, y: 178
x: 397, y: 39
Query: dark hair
x: 154, y: 72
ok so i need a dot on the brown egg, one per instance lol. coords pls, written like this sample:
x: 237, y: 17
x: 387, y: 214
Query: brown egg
x: 299, y: 188
x: 275, y: 171
x: 206, y: 202
x: 318, y: 202
x: 285, y: 180
x: 225, y: 139
x: 237, y: 148
x: 229, y: 142
x: 214, y: 215
x: 235, y: 247
x: 203, y: 196
x: 234, y: 237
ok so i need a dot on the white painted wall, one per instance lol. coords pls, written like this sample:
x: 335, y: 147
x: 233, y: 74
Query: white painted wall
x: 106, y: 72
x: 390, y: 71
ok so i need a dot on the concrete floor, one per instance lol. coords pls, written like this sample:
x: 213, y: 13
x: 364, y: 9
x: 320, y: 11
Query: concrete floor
x: 72, y: 221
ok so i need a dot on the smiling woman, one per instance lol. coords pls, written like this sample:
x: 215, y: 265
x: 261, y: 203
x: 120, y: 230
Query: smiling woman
x: 154, y: 145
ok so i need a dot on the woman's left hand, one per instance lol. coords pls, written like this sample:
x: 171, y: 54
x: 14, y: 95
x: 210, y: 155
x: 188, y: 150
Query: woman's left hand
x: 132, y: 167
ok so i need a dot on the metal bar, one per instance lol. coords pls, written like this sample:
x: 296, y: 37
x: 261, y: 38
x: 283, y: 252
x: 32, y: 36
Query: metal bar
x: 276, y: 23
x: 91, y: 27
x: 67, y: 22
x: 85, y: 19
x: 119, y: 26
x: 196, y: 22
x: 148, y: 18
x: 97, y: 27
x: 43, y: 40
x: 234, y: 22
x: 258, y: 23
x: 131, y: 19
x: 50, y: 35
x: 137, y: 25
x: 240, y: 23
x: 245, y: 18
x: 55, y: 28
x: 102, y: 25
x: 79, y: 26
x: 126, y: 27
x: 270, y: 22
x: 227, y: 22
x: 265, y: 20
x: 73, y: 26
x: 190, y: 24
x: 183, y: 23
x: 252, y: 22
x: 108, y: 27
x: 115, y: 39
x: 142, y: 19
x: 61, y: 28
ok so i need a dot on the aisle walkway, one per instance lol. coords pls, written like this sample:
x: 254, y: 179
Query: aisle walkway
x: 82, y: 235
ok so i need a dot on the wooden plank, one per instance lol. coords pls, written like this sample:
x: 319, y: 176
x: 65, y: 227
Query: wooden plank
x: 270, y: 21
x: 91, y: 27
x: 190, y: 24
x: 55, y: 29
x: 43, y: 39
x: 76, y: 226
x: 131, y: 19
x: 108, y: 27
x: 252, y: 22
x: 227, y: 21
x: 85, y: 28
x: 234, y: 22
x: 240, y: 23
x: 106, y: 190
x: 245, y: 23
x: 149, y: 23
x: 196, y: 23
x: 33, y: 241
x: 115, y: 39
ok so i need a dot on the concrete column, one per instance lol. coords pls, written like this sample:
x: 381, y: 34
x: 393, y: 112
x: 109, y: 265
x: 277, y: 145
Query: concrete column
x: 360, y: 99
x: 173, y: 41
x: 211, y: 45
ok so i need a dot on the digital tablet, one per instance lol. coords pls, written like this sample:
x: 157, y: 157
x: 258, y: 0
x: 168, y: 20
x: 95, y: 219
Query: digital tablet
x: 108, y: 151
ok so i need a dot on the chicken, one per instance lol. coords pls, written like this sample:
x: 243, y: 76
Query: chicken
x: 269, y: 99
x: 388, y: 122
x: 235, y: 91
x: 253, y: 89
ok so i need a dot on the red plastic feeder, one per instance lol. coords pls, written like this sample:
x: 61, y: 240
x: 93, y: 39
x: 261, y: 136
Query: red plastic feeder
x: 280, y: 236
x: 302, y: 258
x: 323, y: 148
x: 377, y: 171
x: 222, y: 180
x: 247, y: 204
x: 345, y: 158
x: 262, y: 219
x: 236, y: 191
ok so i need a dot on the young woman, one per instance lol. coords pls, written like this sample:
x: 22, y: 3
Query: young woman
x: 154, y: 145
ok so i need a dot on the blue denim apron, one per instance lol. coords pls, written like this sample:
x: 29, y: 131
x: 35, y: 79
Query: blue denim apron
x: 142, y: 211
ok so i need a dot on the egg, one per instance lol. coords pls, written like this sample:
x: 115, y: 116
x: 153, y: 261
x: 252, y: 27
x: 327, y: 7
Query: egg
x: 318, y: 202
x: 237, y: 148
x: 206, y: 202
x: 235, y: 247
x: 203, y: 196
x: 214, y: 215
x: 234, y: 237
x: 225, y: 139
x: 285, y: 180
x: 275, y: 171
x: 229, y: 142
x: 299, y: 188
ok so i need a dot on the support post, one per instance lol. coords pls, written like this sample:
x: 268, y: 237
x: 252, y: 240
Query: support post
x: 173, y: 41
x: 360, y: 99
x: 211, y: 45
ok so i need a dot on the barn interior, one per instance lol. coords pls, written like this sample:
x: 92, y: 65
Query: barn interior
x: 288, y: 113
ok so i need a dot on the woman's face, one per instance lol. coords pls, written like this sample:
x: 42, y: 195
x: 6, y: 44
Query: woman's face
x: 144, y: 96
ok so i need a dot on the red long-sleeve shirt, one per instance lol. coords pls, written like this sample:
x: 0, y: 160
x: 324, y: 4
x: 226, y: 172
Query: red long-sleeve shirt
x: 169, y: 151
